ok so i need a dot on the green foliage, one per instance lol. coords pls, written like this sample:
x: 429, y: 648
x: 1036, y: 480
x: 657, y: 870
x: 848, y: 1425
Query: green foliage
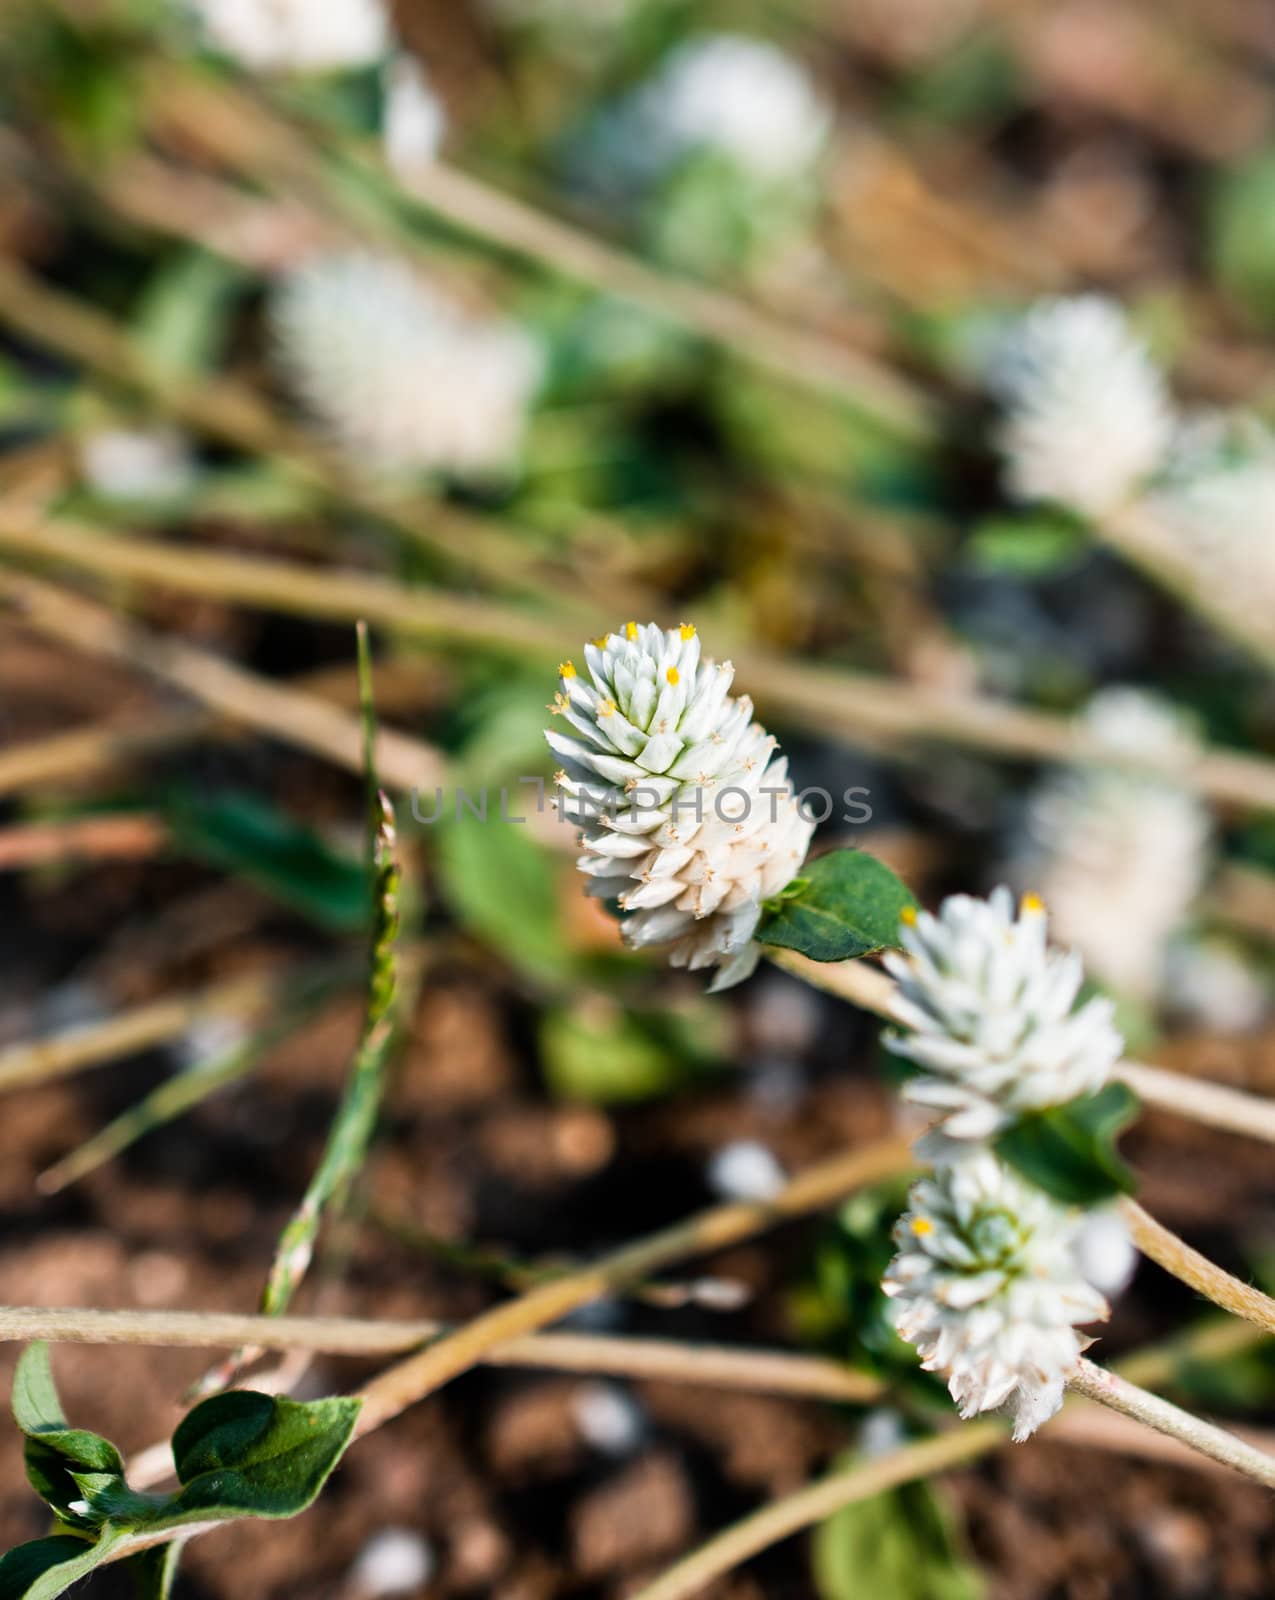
x: 182, y: 321
x: 501, y: 887
x: 1241, y: 235
x: 605, y: 1054
x: 845, y: 904
x: 1070, y: 1150
x: 901, y: 1545
x: 1034, y: 544
x: 237, y: 1455
x: 248, y: 836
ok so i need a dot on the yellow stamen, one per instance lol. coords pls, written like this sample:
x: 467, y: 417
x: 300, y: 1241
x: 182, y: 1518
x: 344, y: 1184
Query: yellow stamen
x: 630, y: 630
x: 673, y: 675
x: 1032, y: 902
x: 600, y: 643
x: 607, y: 708
x: 921, y: 1226
x: 566, y: 669
x: 688, y: 630
x: 908, y: 916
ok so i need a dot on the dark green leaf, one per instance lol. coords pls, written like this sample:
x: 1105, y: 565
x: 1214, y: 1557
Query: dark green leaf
x: 58, y: 1457
x: 153, y: 1571
x: 849, y: 904
x: 248, y: 836
x: 901, y: 1545
x: 181, y: 321
x: 1070, y: 1151
x: 247, y: 1454
x: 46, y: 1568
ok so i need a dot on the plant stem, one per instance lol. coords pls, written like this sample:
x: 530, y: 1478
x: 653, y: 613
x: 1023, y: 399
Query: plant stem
x: 1213, y: 1105
x: 760, y: 1530
x: 1164, y: 1247
x: 1110, y: 1389
x: 852, y: 705
x: 400, y: 1386
x: 140, y: 1028
x: 717, y: 1366
x: 811, y: 1504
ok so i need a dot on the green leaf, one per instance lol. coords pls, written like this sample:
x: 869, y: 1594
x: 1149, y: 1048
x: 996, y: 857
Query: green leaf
x: 1037, y: 544
x: 598, y: 1052
x: 248, y: 1454
x: 154, y: 1571
x: 246, y: 835
x: 181, y: 322
x: 1069, y: 1151
x: 502, y: 888
x: 901, y: 1545
x: 65, y: 1466
x: 1241, y: 235
x: 46, y: 1568
x: 847, y: 904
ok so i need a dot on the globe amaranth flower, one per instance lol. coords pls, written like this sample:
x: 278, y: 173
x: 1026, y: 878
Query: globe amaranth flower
x: 1087, y: 416
x: 740, y: 97
x: 402, y: 377
x: 413, y: 118
x: 986, y: 1286
x: 1119, y: 856
x: 688, y: 820
x: 991, y: 1017
x: 1216, y: 503
x: 296, y: 35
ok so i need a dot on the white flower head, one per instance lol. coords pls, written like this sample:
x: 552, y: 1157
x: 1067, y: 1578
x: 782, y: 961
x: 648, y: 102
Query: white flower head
x: 296, y: 35
x: 1087, y: 416
x: 402, y: 377
x: 414, y: 121
x: 986, y: 1286
x: 137, y: 463
x: 689, y: 821
x: 738, y: 96
x: 991, y: 1017
x: 1119, y: 857
x: 1217, y: 501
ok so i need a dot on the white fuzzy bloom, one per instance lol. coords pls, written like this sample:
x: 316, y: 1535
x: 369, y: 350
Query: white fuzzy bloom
x: 687, y: 820
x: 1211, y: 983
x: 1119, y: 857
x: 1087, y: 416
x: 1217, y: 502
x: 738, y: 96
x: 296, y: 35
x: 137, y: 463
x: 413, y: 121
x: 986, y: 1286
x: 991, y: 1017
x: 402, y: 377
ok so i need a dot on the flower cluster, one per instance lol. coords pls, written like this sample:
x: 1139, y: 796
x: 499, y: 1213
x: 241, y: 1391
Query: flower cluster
x: 1088, y: 422
x: 992, y: 1017
x: 688, y: 820
x: 296, y: 35
x: 1087, y: 418
x: 987, y: 1283
x: 986, y: 1286
x: 739, y: 97
x: 1119, y: 856
x: 403, y: 378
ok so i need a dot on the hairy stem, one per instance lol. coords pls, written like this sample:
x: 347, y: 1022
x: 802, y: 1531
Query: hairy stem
x: 403, y: 1385
x: 1164, y: 1247
x: 1214, y: 1105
